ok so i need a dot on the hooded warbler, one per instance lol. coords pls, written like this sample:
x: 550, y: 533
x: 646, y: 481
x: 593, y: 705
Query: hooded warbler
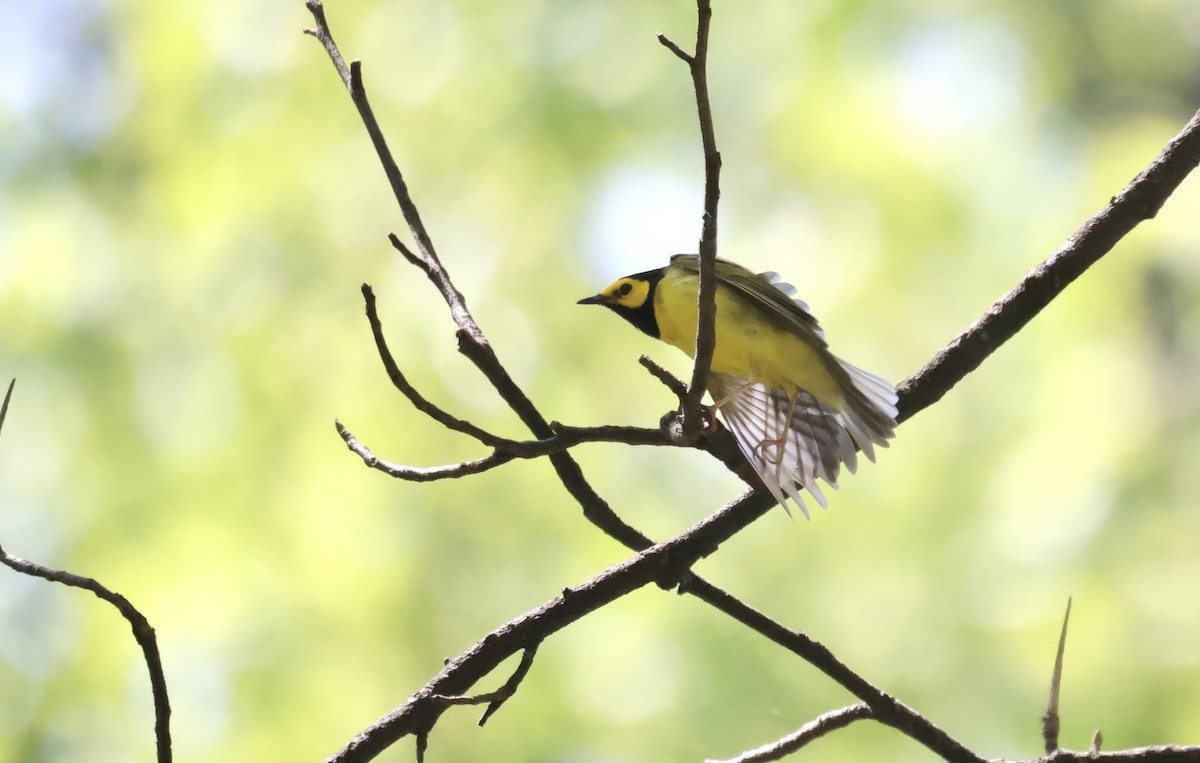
x: 797, y: 411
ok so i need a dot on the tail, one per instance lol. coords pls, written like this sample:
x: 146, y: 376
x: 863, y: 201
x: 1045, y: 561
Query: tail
x: 870, y: 415
x: 793, y: 441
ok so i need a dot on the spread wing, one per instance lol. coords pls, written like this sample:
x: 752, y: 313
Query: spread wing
x: 791, y: 442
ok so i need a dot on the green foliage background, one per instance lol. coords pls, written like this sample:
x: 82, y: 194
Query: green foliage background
x: 188, y: 204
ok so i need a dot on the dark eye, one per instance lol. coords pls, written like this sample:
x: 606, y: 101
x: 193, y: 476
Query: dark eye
x: 625, y: 289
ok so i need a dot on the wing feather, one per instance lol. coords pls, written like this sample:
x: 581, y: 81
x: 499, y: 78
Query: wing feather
x: 768, y: 291
x: 794, y: 441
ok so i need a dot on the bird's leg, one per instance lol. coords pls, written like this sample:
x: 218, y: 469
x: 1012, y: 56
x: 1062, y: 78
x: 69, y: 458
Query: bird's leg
x: 710, y: 411
x: 740, y: 388
x: 773, y: 450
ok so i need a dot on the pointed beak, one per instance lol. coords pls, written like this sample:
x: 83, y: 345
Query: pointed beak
x: 597, y: 299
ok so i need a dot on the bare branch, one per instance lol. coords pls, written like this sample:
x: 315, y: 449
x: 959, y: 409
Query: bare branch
x: 7, y: 397
x: 563, y: 437
x: 417, y: 473
x: 884, y: 708
x: 1140, y: 200
x: 1160, y: 753
x: 143, y: 633
x: 400, y: 382
x: 665, y: 561
x: 1050, y: 721
x: 325, y: 37
x: 472, y: 342
x: 567, y: 437
x: 814, y: 729
x: 670, y: 45
x: 496, y: 698
x: 706, y: 313
x: 664, y: 376
x: 408, y: 253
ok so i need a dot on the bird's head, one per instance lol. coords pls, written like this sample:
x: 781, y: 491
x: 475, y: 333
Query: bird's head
x: 632, y: 298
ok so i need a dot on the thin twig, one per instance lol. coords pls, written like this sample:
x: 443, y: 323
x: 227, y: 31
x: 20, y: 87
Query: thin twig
x: 143, y: 633
x: 495, y: 699
x: 472, y: 341
x: 7, y: 397
x: 567, y: 437
x: 814, y: 729
x: 885, y: 708
x: 418, y: 473
x: 706, y: 314
x: 563, y: 437
x: 401, y: 247
x: 663, y: 375
x: 1050, y: 721
x: 400, y: 382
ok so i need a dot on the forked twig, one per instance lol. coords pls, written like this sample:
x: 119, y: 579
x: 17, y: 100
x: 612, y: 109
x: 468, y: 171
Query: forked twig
x: 495, y: 699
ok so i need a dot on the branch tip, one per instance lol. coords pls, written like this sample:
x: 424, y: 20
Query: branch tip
x: 815, y: 729
x: 1051, y: 720
x: 669, y: 380
x: 400, y: 246
x: 7, y: 397
x: 679, y: 52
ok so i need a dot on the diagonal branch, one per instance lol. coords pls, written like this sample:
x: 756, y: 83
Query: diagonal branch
x: 351, y: 77
x: 471, y: 339
x: 4, y: 407
x: 885, y: 708
x: 495, y: 699
x: 1138, y: 201
x: 660, y: 563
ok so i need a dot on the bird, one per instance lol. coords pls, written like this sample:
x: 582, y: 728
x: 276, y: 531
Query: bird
x: 796, y: 410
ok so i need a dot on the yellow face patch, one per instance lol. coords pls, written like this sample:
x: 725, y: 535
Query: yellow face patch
x: 626, y: 292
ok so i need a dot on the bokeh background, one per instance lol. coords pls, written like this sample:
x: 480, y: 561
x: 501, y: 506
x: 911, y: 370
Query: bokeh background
x: 188, y: 204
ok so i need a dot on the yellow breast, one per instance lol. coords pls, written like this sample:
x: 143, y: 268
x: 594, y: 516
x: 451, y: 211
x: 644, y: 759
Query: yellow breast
x: 749, y: 345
